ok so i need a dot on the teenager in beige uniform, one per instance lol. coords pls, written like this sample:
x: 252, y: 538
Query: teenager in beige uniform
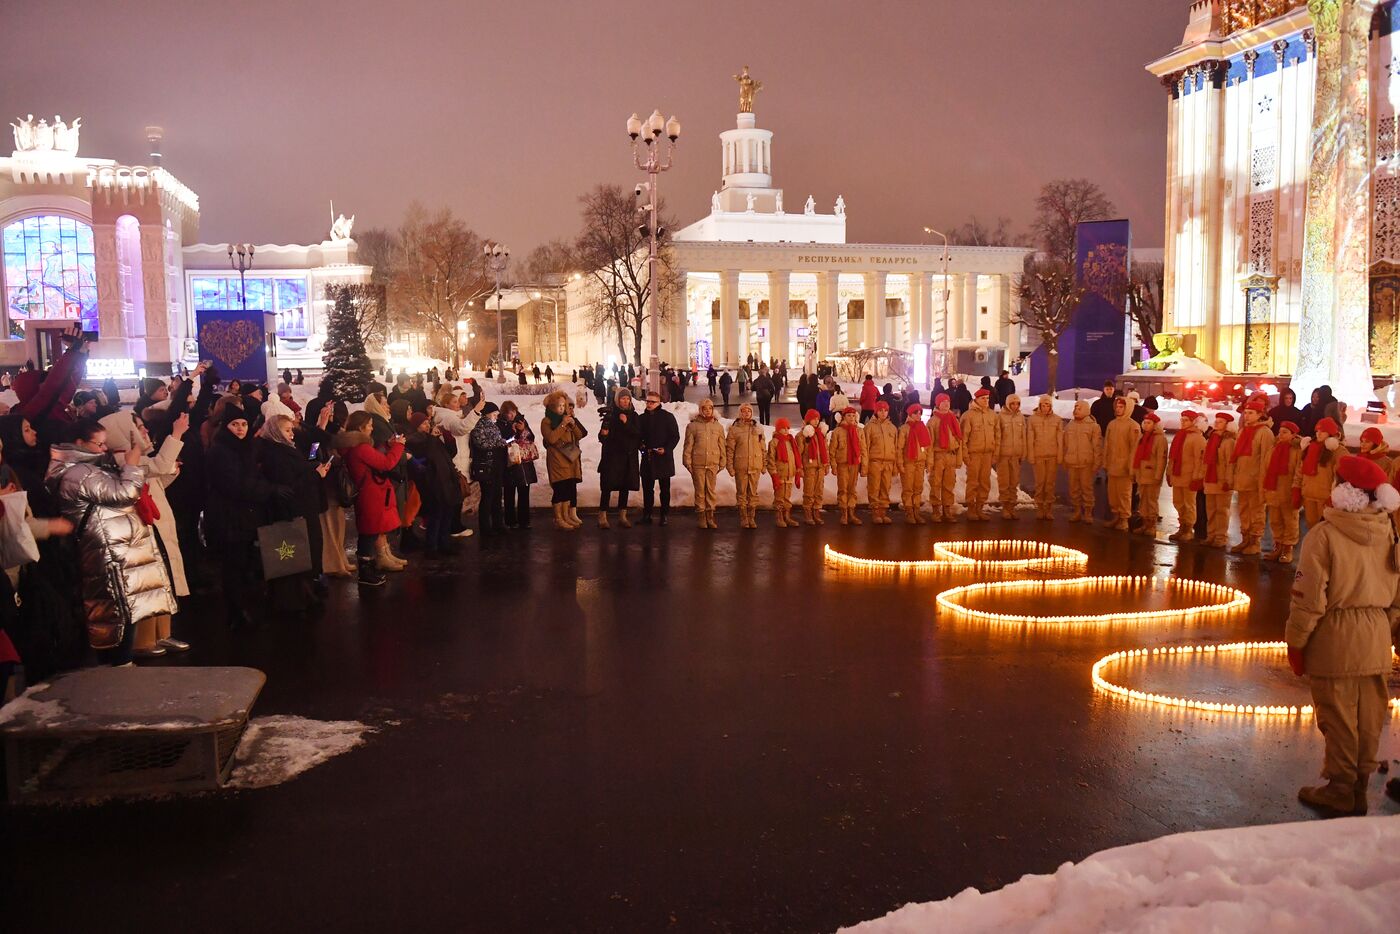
x: 945, y: 456
x: 848, y: 459
x: 1186, y: 472
x: 1253, y: 445
x: 1317, y: 468
x: 1012, y: 444
x: 744, y: 453
x: 980, y: 431
x: 784, y: 465
x: 1120, y: 443
x: 1083, y: 454
x: 1341, y: 625
x: 912, y: 445
x: 881, y: 436
x: 1045, y: 441
x: 1281, y: 498
x: 1149, y: 466
x: 1220, y: 449
x: 703, y: 456
x: 815, y: 465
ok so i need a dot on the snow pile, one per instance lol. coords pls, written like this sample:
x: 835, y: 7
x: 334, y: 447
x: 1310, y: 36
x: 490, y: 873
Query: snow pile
x: 1341, y: 875
x: 37, y: 713
x: 277, y: 749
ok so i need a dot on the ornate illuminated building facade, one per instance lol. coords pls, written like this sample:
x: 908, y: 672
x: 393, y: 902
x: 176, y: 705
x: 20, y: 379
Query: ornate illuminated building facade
x: 758, y: 275
x: 1283, y: 189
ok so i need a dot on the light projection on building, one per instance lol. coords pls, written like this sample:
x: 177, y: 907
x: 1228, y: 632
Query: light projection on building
x: 49, y: 271
x: 284, y: 296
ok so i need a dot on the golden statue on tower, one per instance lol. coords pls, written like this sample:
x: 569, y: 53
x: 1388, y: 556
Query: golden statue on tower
x: 748, y: 87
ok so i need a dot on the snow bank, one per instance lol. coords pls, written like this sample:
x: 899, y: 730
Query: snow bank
x: 1341, y: 875
x: 277, y: 749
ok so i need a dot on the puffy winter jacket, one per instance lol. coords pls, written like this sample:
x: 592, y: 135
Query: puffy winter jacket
x: 562, y: 456
x: 704, y: 445
x: 1224, y: 470
x: 774, y: 464
x: 162, y: 469
x: 123, y: 576
x: 1318, y: 485
x: 1346, y: 596
x: 744, y: 448
x: 1193, y: 452
x: 1155, y: 463
x: 1083, y: 443
x: 376, y: 507
x: 1249, y: 468
x: 1045, y: 436
x: 839, y: 451
x: 811, y: 447
x: 1119, y: 443
x: 1011, y: 431
x: 981, y: 431
x: 881, y: 437
x: 901, y: 445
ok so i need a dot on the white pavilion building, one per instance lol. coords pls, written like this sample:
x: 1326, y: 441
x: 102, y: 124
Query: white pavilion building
x: 778, y: 280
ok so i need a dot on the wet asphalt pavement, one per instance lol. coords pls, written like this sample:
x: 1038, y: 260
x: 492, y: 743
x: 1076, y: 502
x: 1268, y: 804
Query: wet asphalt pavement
x: 666, y: 729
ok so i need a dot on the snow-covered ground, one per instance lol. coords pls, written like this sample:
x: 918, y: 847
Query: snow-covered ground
x: 276, y: 749
x: 1340, y: 875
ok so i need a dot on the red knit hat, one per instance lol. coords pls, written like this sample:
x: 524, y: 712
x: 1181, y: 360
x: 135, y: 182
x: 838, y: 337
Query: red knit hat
x: 782, y: 424
x: 811, y: 415
x: 1361, y: 473
x: 1373, y: 435
x: 1188, y: 416
x: 1225, y: 415
x: 984, y: 391
x: 1152, y: 417
x: 914, y: 409
x: 1291, y: 426
x: 1328, y: 425
x: 1258, y: 404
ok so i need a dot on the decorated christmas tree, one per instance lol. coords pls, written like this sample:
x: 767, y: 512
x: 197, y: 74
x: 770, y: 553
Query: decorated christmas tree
x: 356, y: 312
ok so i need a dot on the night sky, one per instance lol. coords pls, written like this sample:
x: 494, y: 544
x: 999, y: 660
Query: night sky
x: 917, y: 112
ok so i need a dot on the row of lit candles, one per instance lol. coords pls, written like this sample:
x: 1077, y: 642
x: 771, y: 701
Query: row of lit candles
x: 949, y: 556
x: 1163, y: 700
x: 1216, y: 602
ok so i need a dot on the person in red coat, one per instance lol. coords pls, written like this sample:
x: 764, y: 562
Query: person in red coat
x: 869, y: 395
x: 376, y: 509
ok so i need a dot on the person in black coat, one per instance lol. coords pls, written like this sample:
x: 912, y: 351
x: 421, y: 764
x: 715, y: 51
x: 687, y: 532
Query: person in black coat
x: 520, y: 466
x: 725, y: 382
x: 1287, y: 410
x: 436, y: 479
x: 1004, y: 388
x: 1102, y: 409
x: 960, y: 398
x: 488, y: 449
x: 618, y: 468
x: 237, y: 503
x: 764, y: 389
x: 660, y: 435
x: 286, y: 467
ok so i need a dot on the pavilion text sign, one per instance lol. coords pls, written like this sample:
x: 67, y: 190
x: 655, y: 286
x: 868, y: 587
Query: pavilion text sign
x: 834, y: 260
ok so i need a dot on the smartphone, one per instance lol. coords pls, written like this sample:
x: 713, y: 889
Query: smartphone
x: 315, y: 450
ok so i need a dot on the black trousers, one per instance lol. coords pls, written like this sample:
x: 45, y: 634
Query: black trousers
x: 649, y: 493
x: 765, y: 408
x: 565, y: 491
x: 605, y: 497
x: 490, y: 514
x: 517, y: 497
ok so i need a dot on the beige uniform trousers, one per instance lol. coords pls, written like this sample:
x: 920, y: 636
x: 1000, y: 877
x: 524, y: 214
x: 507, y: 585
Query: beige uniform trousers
x: 1251, y: 512
x: 1081, y: 489
x: 979, y: 479
x: 704, y: 478
x: 1008, y: 480
x: 1351, y: 713
x: 1184, y: 501
x: 846, y: 477
x: 1149, y: 495
x: 911, y: 487
x: 812, y: 480
x: 1120, y: 496
x: 1218, y: 516
x: 1045, y: 468
x: 782, y: 493
x: 880, y: 474
x: 1312, y: 509
x: 746, y: 489
x: 942, y: 475
x: 1283, y: 519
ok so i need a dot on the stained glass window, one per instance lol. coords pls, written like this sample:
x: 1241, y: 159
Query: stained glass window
x: 49, y: 271
x: 285, y: 296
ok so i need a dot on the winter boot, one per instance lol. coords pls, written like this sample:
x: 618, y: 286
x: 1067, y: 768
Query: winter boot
x: 1285, y: 554
x: 1240, y: 548
x: 369, y: 575
x: 1148, y: 528
x: 817, y: 514
x: 855, y: 519
x: 1120, y: 525
x: 1007, y: 513
x: 385, y: 559
x: 1074, y: 516
x: 845, y: 516
x: 572, y: 515
x: 622, y: 519
x: 603, y: 519
x: 1251, y: 546
x: 753, y: 517
x: 1181, y: 536
x: 560, y: 522
x: 646, y: 517
x: 1334, y: 799
x: 811, y: 514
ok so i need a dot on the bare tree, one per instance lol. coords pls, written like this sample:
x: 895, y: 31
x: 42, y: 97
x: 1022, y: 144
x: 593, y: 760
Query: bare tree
x: 611, y: 251
x: 1062, y: 205
x: 977, y: 233
x: 549, y: 263
x: 375, y: 247
x: 1145, y: 290
x: 438, y: 277
x: 1049, y: 298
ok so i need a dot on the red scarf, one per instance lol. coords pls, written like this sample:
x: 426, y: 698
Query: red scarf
x: 1278, y: 465
x: 1311, y: 457
x: 1375, y: 454
x: 1178, y: 447
x: 789, y: 443
x: 918, y: 438
x: 1213, y: 448
x: 819, y: 439
x: 1244, y: 442
x: 947, y: 424
x: 852, y: 444
x: 1144, y: 448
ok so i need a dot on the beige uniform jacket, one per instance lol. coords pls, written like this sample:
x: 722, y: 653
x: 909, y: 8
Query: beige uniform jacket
x: 1318, y: 485
x: 744, y: 450
x: 901, y: 443
x: 880, y: 438
x: 981, y: 431
x: 1119, y: 444
x: 837, y: 448
x: 1012, y: 437
x: 1152, y: 467
x: 704, y: 445
x: 1224, y: 471
x: 1045, y: 436
x: 1193, y: 466
x: 1083, y: 443
x: 1249, y: 468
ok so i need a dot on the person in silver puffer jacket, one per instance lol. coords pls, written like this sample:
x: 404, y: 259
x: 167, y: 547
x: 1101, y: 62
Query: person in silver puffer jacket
x: 124, y: 578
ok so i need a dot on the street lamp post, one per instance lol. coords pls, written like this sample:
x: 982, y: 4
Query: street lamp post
x: 650, y: 135
x: 240, y: 257
x: 497, y: 260
x: 943, y: 362
x: 539, y: 297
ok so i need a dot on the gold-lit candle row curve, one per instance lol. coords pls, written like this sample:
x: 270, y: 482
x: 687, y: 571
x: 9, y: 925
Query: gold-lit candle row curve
x: 1211, y: 602
x: 1187, y: 703
x: 980, y: 557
